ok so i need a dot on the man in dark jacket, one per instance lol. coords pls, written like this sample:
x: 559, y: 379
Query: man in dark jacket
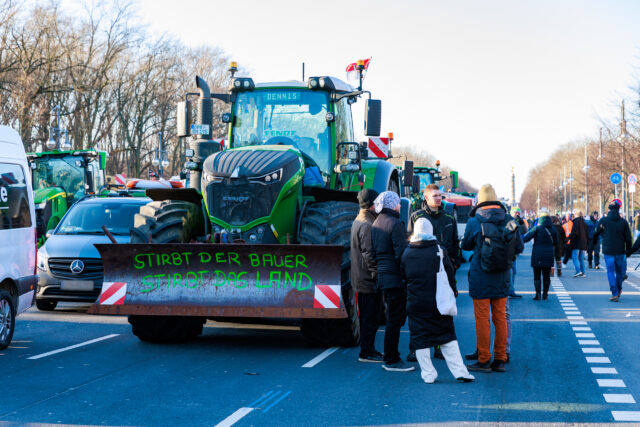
x: 578, y: 241
x: 445, y: 227
x: 593, y: 245
x: 363, y: 276
x: 388, y: 238
x: 616, y: 243
x: 489, y: 290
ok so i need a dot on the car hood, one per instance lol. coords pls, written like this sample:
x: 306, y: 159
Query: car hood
x: 77, y: 245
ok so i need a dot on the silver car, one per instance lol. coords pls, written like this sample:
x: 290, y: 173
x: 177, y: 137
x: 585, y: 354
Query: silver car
x: 69, y: 266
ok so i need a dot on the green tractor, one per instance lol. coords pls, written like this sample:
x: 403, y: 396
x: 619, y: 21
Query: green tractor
x: 60, y: 178
x: 264, y: 229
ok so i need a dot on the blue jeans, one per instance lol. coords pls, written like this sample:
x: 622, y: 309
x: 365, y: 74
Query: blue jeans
x: 578, y: 260
x: 512, y: 289
x: 616, y: 268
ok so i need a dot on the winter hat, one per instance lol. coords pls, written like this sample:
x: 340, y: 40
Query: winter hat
x: 487, y: 194
x: 366, y: 198
x: 543, y: 212
x: 422, y: 230
x: 515, y: 209
x: 614, y: 206
x: 386, y: 200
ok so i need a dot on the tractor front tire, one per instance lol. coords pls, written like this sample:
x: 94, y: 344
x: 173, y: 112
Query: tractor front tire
x: 167, y: 221
x: 329, y: 223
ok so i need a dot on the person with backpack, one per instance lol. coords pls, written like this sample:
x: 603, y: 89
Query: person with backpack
x: 559, y: 248
x: 616, y: 245
x: 364, y: 275
x: 593, y: 245
x: 389, y: 240
x: 578, y: 243
x: 493, y: 237
x: 420, y: 268
x: 542, y: 257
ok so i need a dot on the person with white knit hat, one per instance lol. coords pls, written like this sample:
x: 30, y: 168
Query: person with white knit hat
x: 419, y: 267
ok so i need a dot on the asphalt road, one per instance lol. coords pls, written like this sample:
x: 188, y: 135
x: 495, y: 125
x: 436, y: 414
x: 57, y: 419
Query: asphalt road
x: 574, y: 359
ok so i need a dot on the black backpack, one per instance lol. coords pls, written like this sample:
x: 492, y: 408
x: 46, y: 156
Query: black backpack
x: 499, y: 243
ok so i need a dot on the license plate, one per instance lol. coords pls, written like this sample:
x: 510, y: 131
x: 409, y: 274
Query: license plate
x: 76, y: 285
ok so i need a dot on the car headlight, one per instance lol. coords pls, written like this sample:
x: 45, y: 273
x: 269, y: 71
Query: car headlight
x: 42, y: 258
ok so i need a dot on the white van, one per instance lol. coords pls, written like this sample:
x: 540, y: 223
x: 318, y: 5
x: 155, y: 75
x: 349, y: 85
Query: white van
x: 18, y: 278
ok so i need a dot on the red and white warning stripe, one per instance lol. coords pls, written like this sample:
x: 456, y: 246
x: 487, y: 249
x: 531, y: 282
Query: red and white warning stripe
x: 378, y: 147
x: 326, y: 296
x: 113, y: 293
x: 121, y: 179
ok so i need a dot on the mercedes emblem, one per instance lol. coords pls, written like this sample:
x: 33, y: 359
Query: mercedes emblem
x: 77, y: 267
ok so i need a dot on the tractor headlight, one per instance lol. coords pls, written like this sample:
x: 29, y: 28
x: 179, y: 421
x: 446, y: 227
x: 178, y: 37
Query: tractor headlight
x: 211, y: 178
x: 268, y: 178
x: 42, y: 205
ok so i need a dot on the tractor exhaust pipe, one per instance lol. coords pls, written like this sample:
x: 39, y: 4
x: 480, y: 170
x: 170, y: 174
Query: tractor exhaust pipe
x: 203, y: 87
x: 203, y: 146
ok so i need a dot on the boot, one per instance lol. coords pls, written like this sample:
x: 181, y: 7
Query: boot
x: 559, y: 268
x: 537, y: 284
x: 545, y: 290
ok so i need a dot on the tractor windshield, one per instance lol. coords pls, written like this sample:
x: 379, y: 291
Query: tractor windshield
x: 64, y: 172
x: 425, y: 179
x: 294, y: 117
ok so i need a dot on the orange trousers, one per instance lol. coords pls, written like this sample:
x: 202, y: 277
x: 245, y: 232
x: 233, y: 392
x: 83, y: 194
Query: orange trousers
x: 481, y: 308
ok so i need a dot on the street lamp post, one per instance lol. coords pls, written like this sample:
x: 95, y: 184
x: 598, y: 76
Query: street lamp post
x: 586, y: 177
x: 564, y: 189
x: 160, y: 161
x: 571, y: 183
x: 55, y: 131
x: 600, y: 157
x: 624, y: 136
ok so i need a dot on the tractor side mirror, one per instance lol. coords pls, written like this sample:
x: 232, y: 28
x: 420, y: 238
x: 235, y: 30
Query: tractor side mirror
x: 348, y: 152
x: 454, y: 179
x: 408, y: 173
x: 416, y: 184
x: 183, y: 118
x: 372, y: 117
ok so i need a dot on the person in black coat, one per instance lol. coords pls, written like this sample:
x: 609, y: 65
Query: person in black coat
x: 578, y: 239
x: 419, y: 267
x: 542, y: 257
x: 389, y: 240
x: 363, y: 276
x: 616, y: 245
x: 559, y: 249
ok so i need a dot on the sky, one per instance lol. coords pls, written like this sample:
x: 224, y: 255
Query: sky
x: 484, y: 86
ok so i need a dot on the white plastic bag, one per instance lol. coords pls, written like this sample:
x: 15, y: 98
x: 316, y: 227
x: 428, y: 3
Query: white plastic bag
x: 445, y: 299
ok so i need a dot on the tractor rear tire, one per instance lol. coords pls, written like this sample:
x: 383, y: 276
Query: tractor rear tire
x: 167, y: 221
x: 329, y: 223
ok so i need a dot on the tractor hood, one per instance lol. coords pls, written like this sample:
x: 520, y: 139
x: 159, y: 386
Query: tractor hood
x: 43, y: 194
x: 245, y: 184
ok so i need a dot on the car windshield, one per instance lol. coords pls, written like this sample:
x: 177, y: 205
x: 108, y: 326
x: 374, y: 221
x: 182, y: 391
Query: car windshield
x: 62, y: 172
x: 88, y: 218
x: 285, y: 116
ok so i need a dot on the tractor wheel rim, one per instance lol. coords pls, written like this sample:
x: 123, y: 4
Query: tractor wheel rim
x: 5, y: 319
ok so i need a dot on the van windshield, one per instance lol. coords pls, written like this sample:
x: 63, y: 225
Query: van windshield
x: 90, y: 217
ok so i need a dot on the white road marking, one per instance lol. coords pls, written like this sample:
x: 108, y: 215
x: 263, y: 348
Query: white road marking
x: 626, y: 415
x: 319, y: 358
x: 610, y: 383
x: 578, y: 323
x: 599, y: 370
x: 235, y: 417
x: 588, y: 342
x: 575, y: 317
x: 619, y: 398
x: 585, y: 335
x: 82, y: 344
x: 598, y: 360
x: 592, y: 350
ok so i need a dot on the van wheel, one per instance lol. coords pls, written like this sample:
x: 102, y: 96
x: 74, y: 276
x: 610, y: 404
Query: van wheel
x: 46, y: 305
x: 7, y: 319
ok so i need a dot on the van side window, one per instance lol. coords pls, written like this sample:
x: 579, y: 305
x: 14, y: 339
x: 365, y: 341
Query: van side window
x: 14, y: 197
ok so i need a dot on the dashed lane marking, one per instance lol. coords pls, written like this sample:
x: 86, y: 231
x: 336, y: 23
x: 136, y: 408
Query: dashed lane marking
x: 626, y: 415
x: 593, y: 350
x: 598, y: 360
x: 319, y: 358
x: 619, y: 398
x: 599, y: 370
x: 235, y: 417
x: 585, y: 335
x: 588, y: 342
x: 71, y: 347
x: 610, y: 383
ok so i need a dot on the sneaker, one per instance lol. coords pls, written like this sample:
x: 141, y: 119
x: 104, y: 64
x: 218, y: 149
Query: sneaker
x: 372, y: 358
x: 480, y: 367
x: 614, y: 299
x: 437, y: 353
x: 597, y: 267
x: 625, y: 277
x: 513, y: 296
x: 398, y: 366
x: 411, y: 357
x: 576, y: 275
x: 472, y: 356
x: 498, y: 366
x: 468, y: 379
x: 583, y: 275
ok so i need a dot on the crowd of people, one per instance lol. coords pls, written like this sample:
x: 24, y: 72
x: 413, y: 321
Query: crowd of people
x: 408, y: 272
